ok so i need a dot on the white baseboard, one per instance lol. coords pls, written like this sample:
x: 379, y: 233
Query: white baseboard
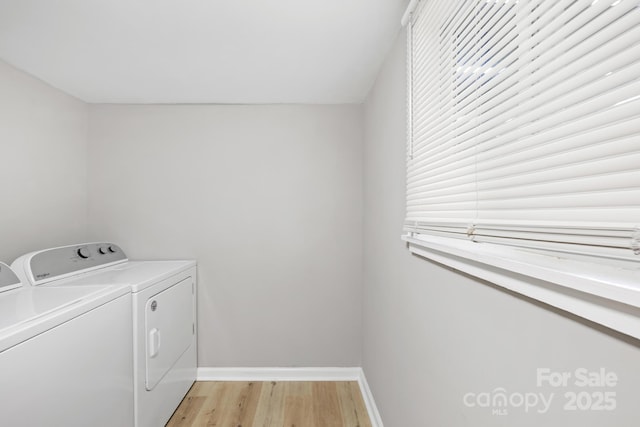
x: 297, y: 374
x: 278, y: 374
x: 370, y: 403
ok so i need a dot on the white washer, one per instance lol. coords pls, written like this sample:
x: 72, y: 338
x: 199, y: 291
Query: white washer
x: 64, y: 355
x: 163, y: 310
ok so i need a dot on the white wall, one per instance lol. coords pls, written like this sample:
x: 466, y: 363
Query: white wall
x: 42, y: 165
x: 431, y: 334
x: 268, y: 199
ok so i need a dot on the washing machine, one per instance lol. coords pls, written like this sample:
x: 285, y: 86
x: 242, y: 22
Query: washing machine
x: 64, y: 355
x: 163, y: 298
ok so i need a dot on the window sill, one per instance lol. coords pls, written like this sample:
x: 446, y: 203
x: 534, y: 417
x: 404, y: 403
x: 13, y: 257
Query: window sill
x: 603, y: 294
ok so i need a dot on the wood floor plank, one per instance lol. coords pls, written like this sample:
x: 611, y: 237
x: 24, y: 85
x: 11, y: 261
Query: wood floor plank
x: 326, y: 408
x: 212, y: 411
x: 352, y: 408
x: 270, y: 411
x: 272, y: 404
x: 186, y: 413
x: 200, y: 388
x: 298, y: 405
x: 361, y: 407
x: 241, y: 404
x: 251, y: 399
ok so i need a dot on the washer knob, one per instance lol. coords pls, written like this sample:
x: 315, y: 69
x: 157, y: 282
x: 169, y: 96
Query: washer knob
x: 103, y: 250
x: 84, y: 253
x: 113, y: 249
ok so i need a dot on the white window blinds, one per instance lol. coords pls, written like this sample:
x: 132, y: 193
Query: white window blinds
x: 524, y: 124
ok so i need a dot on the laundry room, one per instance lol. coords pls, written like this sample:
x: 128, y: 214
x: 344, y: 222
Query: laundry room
x: 271, y: 174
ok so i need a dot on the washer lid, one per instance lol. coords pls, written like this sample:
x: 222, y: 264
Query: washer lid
x: 8, y: 279
x: 28, y: 311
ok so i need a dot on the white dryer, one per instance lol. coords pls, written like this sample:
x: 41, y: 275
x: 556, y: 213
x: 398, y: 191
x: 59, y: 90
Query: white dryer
x: 163, y: 313
x: 64, y: 355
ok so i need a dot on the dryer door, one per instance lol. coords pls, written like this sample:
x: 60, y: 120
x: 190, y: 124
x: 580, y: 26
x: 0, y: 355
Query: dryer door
x: 169, y: 329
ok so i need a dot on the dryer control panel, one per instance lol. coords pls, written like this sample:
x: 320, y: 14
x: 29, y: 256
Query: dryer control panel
x: 51, y: 264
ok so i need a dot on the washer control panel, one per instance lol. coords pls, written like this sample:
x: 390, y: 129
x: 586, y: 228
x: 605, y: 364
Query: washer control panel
x: 51, y: 263
x: 8, y: 279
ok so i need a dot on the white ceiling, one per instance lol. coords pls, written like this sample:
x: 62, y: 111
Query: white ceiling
x: 202, y: 51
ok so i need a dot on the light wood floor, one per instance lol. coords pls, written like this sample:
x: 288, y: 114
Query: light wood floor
x: 272, y: 404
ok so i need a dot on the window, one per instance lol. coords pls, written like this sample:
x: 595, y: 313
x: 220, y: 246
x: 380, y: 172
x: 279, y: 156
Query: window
x: 524, y: 147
